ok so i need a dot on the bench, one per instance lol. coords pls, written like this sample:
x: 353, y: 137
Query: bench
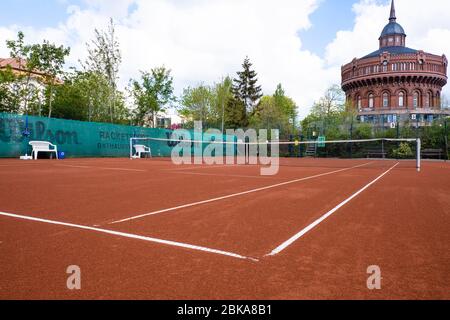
x: 376, y: 152
x: 141, y: 150
x: 432, y: 153
x: 42, y: 146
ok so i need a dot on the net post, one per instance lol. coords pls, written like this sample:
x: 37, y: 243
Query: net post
x: 419, y: 152
x: 131, y: 148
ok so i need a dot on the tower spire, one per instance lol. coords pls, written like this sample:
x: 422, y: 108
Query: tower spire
x: 392, y: 17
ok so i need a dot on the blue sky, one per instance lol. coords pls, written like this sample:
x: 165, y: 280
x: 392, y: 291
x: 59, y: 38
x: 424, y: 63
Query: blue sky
x: 35, y: 13
x: 331, y: 16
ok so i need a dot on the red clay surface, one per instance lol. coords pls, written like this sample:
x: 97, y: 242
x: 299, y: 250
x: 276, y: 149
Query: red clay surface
x: 400, y: 223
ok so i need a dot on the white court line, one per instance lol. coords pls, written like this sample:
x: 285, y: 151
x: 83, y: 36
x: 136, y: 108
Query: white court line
x: 29, y: 164
x: 236, y: 194
x: 131, y: 236
x: 224, y: 175
x: 199, y: 166
x: 286, y: 244
x: 101, y: 168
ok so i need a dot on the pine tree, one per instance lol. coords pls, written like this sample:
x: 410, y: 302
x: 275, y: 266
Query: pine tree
x: 245, y: 88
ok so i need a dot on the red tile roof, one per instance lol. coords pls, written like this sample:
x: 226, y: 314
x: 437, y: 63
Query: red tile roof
x: 13, y: 63
x: 19, y: 65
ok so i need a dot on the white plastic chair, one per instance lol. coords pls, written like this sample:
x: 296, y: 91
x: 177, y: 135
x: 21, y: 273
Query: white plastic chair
x: 141, y: 150
x: 42, y: 146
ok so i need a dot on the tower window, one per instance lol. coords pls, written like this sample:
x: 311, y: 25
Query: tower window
x: 359, y: 102
x: 416, y: 100
x: 401, y: 99
x: 371, y: 101
x: 385, y: 100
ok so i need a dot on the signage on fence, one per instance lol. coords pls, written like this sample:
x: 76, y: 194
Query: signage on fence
x: 321, y: 142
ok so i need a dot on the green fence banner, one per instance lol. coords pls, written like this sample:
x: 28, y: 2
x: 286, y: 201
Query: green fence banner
x: 74, y: 138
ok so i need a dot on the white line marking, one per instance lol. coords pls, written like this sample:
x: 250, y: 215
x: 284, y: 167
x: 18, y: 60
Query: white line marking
x: 101, y: 168
x: 131, y: 236
x: 202, y: 166
x: 73, y: 166
x: 224, y: 175
x: 235, y: 194
x: 325, y: 216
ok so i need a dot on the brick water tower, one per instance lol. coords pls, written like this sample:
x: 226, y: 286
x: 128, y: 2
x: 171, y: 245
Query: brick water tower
x: 396, y: 83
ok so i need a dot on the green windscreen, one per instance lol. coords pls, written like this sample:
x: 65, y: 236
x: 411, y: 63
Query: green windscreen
x: 75, y: 138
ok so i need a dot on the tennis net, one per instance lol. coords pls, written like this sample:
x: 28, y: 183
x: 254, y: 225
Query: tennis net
x: 236, y: 151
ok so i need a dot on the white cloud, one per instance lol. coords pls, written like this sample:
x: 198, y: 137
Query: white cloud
x: 203, y: 40
x: 200, y: 40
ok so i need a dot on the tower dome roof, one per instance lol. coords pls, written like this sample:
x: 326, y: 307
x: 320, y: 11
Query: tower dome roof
x: 393, y: 28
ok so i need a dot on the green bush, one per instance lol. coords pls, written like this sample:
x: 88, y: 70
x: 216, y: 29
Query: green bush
x: 404, y: 151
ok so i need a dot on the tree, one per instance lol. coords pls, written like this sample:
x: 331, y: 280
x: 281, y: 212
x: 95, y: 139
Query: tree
x: 275, y: 111
x: 51, y: 62
x: 331, y: 102
x: 197, y: 104
x: 235, y: 114
x: 223, y: 95
x: 151, y: 94
x: 71, y: 101
x: 27, y: 57
x: 9, y: 100
x: 105, y: 58
x: 286, y: 104
x: 267, y: 114
x: 245, y: 88
x: 85, y: 96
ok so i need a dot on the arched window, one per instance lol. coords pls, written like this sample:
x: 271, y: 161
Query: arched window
x: 428, y: 100
x: 416, y: 99
x: 401, y: 99
x: 359, y: 102
x: 385, y: 100
x: 371, y: 101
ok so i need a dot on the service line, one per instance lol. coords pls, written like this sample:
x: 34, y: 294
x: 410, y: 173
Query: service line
x: 100, y: 168
x: 236, y: 194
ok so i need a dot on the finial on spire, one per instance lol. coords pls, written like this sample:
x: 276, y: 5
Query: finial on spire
x: 392, y: 18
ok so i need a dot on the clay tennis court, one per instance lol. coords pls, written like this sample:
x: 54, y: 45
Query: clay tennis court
x: 147, y: 229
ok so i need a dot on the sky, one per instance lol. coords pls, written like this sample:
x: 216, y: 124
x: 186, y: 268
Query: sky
x: 301, y: 44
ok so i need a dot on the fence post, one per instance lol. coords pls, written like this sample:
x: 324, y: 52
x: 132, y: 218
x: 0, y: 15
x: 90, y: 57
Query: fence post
x: 351, y: 138
x: 419, y: 147
x: 446, y: 138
